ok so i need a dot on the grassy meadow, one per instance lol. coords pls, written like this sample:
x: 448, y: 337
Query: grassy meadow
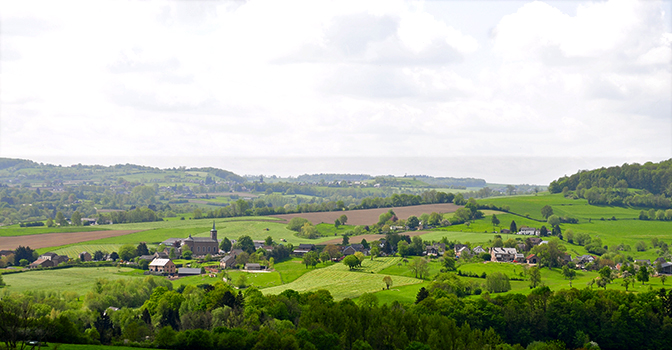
x: 15, y: 230
x: 343, y: 283
x: 75, y: 279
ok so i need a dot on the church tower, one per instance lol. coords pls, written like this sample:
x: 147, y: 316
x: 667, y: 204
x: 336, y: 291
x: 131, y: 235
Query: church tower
x: 213, y: 232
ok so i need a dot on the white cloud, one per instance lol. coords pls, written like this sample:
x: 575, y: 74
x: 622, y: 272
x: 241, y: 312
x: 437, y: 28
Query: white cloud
x: 340, y: 78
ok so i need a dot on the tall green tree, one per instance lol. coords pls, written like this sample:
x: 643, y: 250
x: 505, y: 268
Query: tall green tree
x: 546, y: 211
x: 495, y: 221
x: 513, y: 227
x: 225, y: 245
x: 535, y: 276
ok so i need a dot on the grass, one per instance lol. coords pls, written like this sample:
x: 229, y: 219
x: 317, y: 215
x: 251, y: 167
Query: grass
x: 76, y: 279
x: 290, y: 270
x: 15, y: 230
x: 87, y: 347
x: 329, y: 230
x: 341, y: 282
x: 74, y: 250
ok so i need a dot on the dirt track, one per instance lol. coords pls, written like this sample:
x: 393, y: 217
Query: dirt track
x: 370, y: 216
x: 56, y: 239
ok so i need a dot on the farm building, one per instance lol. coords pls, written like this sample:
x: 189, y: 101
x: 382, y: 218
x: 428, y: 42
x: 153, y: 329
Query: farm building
x: 41, y: 263
x: 354, y: 248
x: 253, y: 266
x: 228, y: 261
x: 532, y: 259
x: 528, y: 231
x: 187, y: 271
x: 162, y: 266
x: 54, y: 258
x: 303, y: 249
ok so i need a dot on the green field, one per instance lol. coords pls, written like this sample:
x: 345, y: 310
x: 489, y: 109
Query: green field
x: 73, y: 251
x: 342, y: 283
x: 15, y: 230
x: 576, y: 208
x: 76, y: 279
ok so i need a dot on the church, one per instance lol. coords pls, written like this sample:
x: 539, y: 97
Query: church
x: 197, y: 245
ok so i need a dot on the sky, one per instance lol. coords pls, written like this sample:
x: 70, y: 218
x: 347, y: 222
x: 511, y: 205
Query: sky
x: 509, y: 91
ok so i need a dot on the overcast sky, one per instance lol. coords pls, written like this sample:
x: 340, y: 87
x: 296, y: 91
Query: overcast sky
x: 509, y: 84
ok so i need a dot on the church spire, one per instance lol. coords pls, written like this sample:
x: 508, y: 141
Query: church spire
x: 213, y: 232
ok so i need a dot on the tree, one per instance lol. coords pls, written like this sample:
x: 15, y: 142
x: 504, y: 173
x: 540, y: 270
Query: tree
x: 98, y: 255
x: 553, y: 220
x: 23, y: 253
x: 268, y: 241
x: 141, y: 249
x: 388, y: 281
x: 50, y: 222
x: 346, y: 240
x: 225, y: 245
x: 246, y: 244
x: 569, y: 274
x: 337, y: 223
x: 422, y: 295
x: 412, y: 222
x: 197, y: 214
x: 627, y: 281
x: 663, y: 278
x: 60, y: 219
x: 310, y: 258
x: 546, y: 211
x: 242, y: 258
x: 535, y: 276
x: 497, y: 282
x: 351, y: 261
x: 296, y: 223
x: 643, y: 274
x: 76, y: 218
x: 365, y: 244
x: 605, y: 277
x: 419, y: 266
x: 374, y: 252
x: 448, y: 263
x: 495, y: 221
x: 513, y: 227
x: 127, y: 252
x: 510, y: 190
x: 309, y: 231
x: 114, y: 256
x: 343, y: 219
x: 543, y: 232
x: 324, y: 257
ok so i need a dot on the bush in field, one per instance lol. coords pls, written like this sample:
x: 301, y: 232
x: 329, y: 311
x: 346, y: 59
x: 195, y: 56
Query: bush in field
x: 295, y: 224
x: 497, y: 282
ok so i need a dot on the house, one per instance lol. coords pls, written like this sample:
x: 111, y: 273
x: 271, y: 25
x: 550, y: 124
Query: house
x: 188, y: 271
x: 161, y: 255
x: 252, y: 266
x: 519, y: 258
x: 584, y: 259
x: 462, y: 251
x: 228, y: 261
x: 435, y: 249
x: 478, y: 250
x: 354, y: 248
x: 643, y: 262
x: 528, y: 231
x: 535, y: 241
x: 54, y: 258
x: 147, y: 257
x: 505, y: 231
x: 85, y: 256
x: 532, y: 259
x: 41, y: 263
x: 666, y: 268
x: 503, y: 254
x: 6, y: 252
x: 303, y: 249
x: 162, y: 266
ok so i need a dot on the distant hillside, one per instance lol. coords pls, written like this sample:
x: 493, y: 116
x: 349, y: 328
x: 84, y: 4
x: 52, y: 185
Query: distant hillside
x: 610, y: 185
x: 450, y: 181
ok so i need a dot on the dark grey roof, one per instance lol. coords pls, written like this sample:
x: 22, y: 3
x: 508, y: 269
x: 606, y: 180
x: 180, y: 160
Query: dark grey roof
x: 188, y: 271
x: 201, y: 239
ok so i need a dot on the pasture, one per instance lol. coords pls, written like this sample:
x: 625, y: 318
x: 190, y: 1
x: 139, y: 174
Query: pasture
x: 75, y: 279
x: 342, y: 283
x: 15, y: 230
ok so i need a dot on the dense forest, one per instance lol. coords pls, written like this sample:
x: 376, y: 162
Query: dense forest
x: 652, y: 184
x: 151, y: 314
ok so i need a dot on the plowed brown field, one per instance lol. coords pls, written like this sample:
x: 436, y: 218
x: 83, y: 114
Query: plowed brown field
x: 57, y: 239
x: 370, y: 216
